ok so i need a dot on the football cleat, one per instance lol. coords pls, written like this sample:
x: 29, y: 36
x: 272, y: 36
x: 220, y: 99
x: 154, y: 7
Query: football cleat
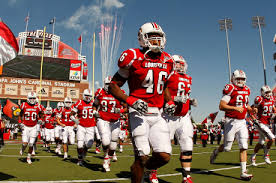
x: 29, y: 161
x: 106, y: 164
x: 267, y: 159
x: 187, y: 179
x: 121, y: 149
x: 65, y: 156
x: 153, y: 176
x: 59, y: 152
x: 253, y: 160
x: 80, y: 163
x: 97, y: 151
x: 56, y: 150
x: 33, y: 152
x: 114, y: 158
x: 213, y: 156
x: 246, y: 176
x: 21, y: 152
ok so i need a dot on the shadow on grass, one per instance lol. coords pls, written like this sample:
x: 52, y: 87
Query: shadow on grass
x: 4, y: 176
x: 228, y: 164
x: 24, y: 160
x: 126, y: 174
x: 94, y: 167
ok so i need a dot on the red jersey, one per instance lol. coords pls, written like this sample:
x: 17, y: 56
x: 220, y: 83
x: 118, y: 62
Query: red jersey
x: 49, y: 121
x: 65, y: 117
x: 85, y: 113
x: 146, y: 77
x: 265, y: 109
x: 56, y: 113
x: 107, y: 105
x: 30, y: 113
x: 239, y: 97
x: 178, y: 85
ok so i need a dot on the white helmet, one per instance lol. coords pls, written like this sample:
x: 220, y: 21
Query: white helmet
x: 48, y: 110
x: 87, y: 95
x: 67, y: 102
x: 180, y: 64
x: 107, y: 81
x: 31, y: 98
x: 144, y: 37
x: 239, y: 78
x: 60, y: 105
x: 266, y: 92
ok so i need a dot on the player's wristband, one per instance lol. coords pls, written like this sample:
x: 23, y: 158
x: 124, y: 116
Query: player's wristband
x: 131, y: 100
x: 170, y: 102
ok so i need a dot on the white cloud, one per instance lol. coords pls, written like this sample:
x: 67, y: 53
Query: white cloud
x: 12, y: 2
x: 87, y: 17
x: 113, y: 3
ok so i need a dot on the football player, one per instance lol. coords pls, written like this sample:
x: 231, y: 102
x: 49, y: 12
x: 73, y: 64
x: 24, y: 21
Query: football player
x: 147, y: 71
x: 83, y: 115
x: 68, y: 126
x: 30, y: 112
x: 58, y: 128
x: 235, y: 104
x: 264, y: 104
x: 179, y: 85
x: 49, y: 127
x: 108, y: 122
x: 123, y: 132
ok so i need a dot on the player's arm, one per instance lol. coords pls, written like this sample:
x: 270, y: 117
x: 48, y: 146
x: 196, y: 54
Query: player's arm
x: 114, y: 87
x: 223, y: 106
x: 59, y: 121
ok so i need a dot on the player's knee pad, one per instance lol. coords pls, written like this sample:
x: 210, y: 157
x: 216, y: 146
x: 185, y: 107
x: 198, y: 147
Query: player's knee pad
x: 80, y: 144
x: 262, y: 140
x: 89, y: 144
x: 187, y: 153
x: 113, y: 145
x: 142, y: 145
x: 106, y: 140
x: 186, y: 144
x: 243, y: 143
x: 227, y: 146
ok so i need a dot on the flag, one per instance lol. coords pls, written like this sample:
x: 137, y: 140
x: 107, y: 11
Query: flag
x: 8, y: 44
x: 52, y: 21
x: 11, y: 109
x: 80, y: 38
x: 210, y: 118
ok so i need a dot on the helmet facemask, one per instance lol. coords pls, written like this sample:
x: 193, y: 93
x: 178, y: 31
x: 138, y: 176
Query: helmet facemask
x: 67, y: 102
x: 180, y: 67
x: 31, y: 98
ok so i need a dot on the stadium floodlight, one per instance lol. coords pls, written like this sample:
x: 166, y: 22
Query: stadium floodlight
x: 258, y: 21
x: 225, y: 25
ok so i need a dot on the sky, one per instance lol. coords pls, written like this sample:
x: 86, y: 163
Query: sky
x: 191, y: 28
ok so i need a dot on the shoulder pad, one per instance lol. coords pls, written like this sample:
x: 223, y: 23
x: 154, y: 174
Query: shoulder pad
x: 127, y: 57
x: 228, y: 89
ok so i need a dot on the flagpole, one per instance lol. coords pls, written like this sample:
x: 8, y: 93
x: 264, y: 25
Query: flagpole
x: 93, y: 75
x: 81, y: 45
x: 54, y: 25
x: 41, y: 64
x: 27, y: 22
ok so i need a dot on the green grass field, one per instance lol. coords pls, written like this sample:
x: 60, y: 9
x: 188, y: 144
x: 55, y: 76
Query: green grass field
x: 49, y: 167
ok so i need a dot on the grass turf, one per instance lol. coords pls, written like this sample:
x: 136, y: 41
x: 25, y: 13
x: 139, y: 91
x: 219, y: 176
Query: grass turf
x: 49, y: 167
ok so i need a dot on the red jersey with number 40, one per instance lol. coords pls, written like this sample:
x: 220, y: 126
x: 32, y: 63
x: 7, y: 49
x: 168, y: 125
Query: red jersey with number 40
x: 49, y: 121
x: 85, y: 113
x: 265, y: 109
x: 30, y: 113
x: 107, y: 105
x: 239, y: 97
x: 146, y: 76
x: 178, y: 85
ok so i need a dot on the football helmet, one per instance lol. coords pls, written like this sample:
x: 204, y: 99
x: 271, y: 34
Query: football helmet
x: 60, y: 105
x: 107, y: 81
x: 31, y: 98
x: 87, y: 95
x: 67, y: 102
x: 239, y: 78
x: 266, y: 92
x: 48, y: 110
x: 145, y: 37
x: 180, y: 65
